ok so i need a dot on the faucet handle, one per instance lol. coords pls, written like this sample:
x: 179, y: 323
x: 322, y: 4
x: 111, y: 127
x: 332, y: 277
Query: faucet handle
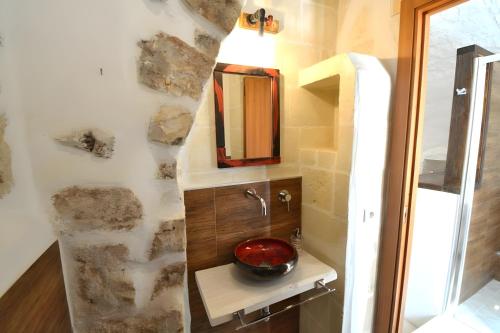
x: 285, y: 196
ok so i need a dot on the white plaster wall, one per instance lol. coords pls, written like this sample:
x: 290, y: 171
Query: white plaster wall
x: 473, y: 22
x: 60, y: 48
x: 53, y: 52
x: 25, y: 232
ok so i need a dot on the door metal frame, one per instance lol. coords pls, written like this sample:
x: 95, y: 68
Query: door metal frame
x: 469, y: 177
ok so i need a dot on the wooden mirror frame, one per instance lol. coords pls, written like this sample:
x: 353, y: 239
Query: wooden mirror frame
x: 222, y: 160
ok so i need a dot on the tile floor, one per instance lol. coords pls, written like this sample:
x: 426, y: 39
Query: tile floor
x: 482, y: 310
x: 478, y: 314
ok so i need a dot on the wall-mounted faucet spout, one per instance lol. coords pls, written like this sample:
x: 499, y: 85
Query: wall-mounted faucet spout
x: 251, y: 192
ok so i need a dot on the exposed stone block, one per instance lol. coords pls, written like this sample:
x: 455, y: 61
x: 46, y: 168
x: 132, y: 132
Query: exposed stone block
x: 170, y: 276
x: 103, y: 285
x: 167, y: 322
x: 168, y: 64
x: 107, y: 208
x: 6, y: 178
x: 170, y: 237
x: 171, y: 125
x: 206, y: 43
x: 92, y: 140
x: 167, y: 170
x: 223, y: 13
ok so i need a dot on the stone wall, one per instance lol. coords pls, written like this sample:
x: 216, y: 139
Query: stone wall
x: 124, y: 272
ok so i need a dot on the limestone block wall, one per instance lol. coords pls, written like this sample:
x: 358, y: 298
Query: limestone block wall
x: 326, y: 172
x: 325, y: 232
x: 370, y: 27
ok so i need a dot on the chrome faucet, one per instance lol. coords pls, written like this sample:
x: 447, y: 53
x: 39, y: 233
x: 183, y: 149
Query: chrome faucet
x: 251, y: 192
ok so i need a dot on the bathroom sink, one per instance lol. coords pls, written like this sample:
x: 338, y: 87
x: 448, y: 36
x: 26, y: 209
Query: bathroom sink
x: 265, y: 258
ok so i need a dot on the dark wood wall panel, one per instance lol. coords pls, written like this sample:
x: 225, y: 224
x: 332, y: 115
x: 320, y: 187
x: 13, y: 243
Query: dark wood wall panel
x: 201, y: 240
x: 460, y: 114
x: 284, y: 222
x: 36, y: 303
x: 217, y: 219
x: 447, y: 175
x: 238, y: 217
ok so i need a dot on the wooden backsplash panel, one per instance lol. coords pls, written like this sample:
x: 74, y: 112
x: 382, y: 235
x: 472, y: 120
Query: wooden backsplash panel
x: 217, y: 219
x: 234, y: 208
x: 284, y: 221
x: 201, y: 240
x: 239, y: 217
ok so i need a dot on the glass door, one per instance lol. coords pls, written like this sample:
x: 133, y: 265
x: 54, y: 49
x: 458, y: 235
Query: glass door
x: 474, y: 295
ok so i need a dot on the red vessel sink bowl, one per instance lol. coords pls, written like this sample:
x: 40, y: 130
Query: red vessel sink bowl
x: 265, y: 258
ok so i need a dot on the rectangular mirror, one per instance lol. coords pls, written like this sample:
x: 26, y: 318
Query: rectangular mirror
x: 246, y: 115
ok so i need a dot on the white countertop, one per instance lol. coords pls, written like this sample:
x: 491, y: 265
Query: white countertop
x: 224, y: 290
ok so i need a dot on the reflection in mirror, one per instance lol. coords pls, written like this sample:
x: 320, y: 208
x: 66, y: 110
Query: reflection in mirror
x: 247, y: 115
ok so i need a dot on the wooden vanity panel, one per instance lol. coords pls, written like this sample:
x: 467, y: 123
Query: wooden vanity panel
x: 217, y: 219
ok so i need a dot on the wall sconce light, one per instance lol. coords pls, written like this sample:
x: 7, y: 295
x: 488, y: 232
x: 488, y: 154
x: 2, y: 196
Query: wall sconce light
x: 259, y: 21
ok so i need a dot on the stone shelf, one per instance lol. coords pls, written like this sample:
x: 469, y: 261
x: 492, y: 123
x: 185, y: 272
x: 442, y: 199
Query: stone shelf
x: 225, y: 291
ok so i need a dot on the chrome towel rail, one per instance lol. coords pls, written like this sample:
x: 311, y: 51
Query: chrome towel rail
x: 320, y: 284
